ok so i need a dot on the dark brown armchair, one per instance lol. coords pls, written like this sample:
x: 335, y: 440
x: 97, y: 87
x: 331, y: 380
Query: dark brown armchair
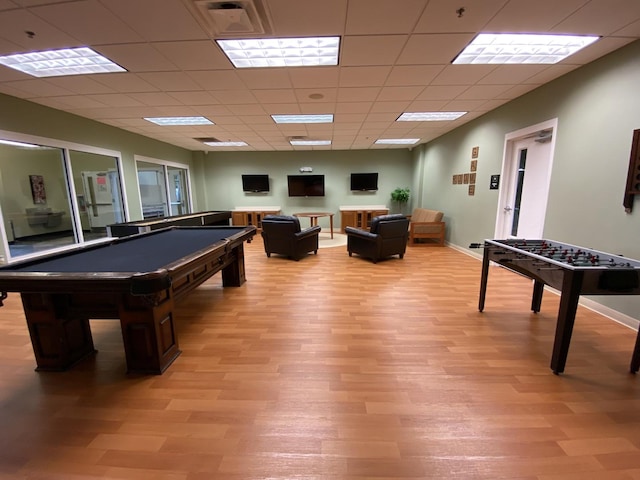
x: 387, y: 236
x: 282, y: 235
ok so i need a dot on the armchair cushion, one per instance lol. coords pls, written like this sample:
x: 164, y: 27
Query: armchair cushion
x: 387, y: 237
x: 282, y: 235
x: 428, y: 224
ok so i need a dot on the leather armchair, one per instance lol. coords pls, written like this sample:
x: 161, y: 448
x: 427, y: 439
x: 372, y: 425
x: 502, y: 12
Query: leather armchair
x: 387, y: 236
x: 282, y: 235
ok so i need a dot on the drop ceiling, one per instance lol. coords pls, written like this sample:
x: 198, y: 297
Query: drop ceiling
x: 395, y: 57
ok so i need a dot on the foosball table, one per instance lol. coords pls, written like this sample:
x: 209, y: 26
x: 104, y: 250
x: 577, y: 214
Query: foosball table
x: 572, y: 270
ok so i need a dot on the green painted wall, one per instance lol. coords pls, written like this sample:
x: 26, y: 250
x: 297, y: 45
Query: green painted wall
x: 597, y: 107
x: 223, y: 186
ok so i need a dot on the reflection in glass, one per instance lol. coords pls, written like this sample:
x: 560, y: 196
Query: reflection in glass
x: 97, y: 185
x: 164, y: 189
x: 178, y: 192
x: 518, y: 198
x: 153, y: 190
x: 35, y: 197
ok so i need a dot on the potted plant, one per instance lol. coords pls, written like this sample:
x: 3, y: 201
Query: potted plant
x: 401, y: 197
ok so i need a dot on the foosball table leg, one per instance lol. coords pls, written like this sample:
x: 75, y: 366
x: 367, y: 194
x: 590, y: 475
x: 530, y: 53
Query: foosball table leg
x: 635, y: 358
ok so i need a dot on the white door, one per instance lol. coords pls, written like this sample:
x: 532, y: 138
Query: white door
x: 99, y: 198
x: 524, y: 190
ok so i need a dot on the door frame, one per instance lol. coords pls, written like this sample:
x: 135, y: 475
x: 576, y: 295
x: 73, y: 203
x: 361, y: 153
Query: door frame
x: 509, y: 166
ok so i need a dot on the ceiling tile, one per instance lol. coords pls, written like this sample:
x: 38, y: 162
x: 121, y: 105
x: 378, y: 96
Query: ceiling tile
x: 172, y: 21
x: 399, y: 93
x: 14, y: 25
x: 599, y: 17
x: 436, y: 49
x: 371, y: 50
x: 363, y: 76
x: 366, y: 17
x: 98, y: 25
x: 519, y: 16
x: 275, y: 96
x: 462, y: 74
x: 170, y: 81
x: 295, y: 18
x: 137, y: 57
x: 402, y: 75
x: 443, y: 16
x: 216, y: 79
x: 358, y: 94
x: 194, y: 55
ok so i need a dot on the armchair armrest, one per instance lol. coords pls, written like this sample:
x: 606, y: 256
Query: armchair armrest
x: 356, y: 232
x: 308, y: 232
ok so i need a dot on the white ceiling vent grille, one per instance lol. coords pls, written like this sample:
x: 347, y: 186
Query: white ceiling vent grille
x: 235, y: 18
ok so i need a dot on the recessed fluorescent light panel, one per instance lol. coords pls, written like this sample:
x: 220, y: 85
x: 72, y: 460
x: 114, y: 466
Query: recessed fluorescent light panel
x: 282, y: 52
x: 309, y: 142
x: 54, y: 63
x: 514, y: 48
x: 328, y: 118
x: 164, y: 121
x: 429, y: 116
x: 397, y: 141
x: 226, y: 144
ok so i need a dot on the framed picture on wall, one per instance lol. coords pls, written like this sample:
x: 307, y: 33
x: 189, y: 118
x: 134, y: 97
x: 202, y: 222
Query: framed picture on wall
x: 37, y: 189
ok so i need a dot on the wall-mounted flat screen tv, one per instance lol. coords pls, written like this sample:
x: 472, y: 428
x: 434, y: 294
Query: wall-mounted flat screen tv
x: 364, y: 182
x: 255, y: 183
x: 306, y: 185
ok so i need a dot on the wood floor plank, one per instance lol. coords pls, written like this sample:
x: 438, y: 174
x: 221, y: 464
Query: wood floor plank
x: 335, y: 368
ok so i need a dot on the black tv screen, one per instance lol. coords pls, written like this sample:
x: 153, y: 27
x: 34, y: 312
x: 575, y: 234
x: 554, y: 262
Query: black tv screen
x: 364, y: 181
x: 306, y: 185
x: 255, y: 183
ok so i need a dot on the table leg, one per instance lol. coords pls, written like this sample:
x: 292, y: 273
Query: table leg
x: 331, y: 225
x: 635, y: 359
x: 483, y: 278
x: 233, y: 275
x: 536, y: 298
x: 148, y: 333
x: 59, y: 339
x: 571, y: 285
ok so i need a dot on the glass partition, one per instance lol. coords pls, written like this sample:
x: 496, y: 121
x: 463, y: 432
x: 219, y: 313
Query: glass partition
x: 178, y: 191
x: 34, y: 199
x: 53, y: 196
x: 153, y: 190
x: 164, y: 188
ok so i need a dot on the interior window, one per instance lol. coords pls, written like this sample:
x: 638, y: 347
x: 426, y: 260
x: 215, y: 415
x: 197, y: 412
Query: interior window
x: 164, y: 189
x: 46, y: 203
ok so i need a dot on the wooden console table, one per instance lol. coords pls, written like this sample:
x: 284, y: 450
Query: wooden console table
x: 252, y: 215
x: 359, y: 216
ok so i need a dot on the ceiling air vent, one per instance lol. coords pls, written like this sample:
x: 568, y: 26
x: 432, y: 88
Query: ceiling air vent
x: 240, y: 17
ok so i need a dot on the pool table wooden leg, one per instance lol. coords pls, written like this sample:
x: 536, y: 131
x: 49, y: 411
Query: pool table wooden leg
x: 233, y: 275
x: 149, y: 333
x: 59, y: 341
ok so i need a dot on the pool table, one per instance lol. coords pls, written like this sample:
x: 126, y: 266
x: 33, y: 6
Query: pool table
x: 198, y: 219
x: 136, y: 279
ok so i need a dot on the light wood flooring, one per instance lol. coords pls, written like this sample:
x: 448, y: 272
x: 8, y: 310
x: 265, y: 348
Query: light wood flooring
x: 335, y: 368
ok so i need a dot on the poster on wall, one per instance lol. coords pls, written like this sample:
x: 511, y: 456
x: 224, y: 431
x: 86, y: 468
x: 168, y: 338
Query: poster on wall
x: 37, y: 189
